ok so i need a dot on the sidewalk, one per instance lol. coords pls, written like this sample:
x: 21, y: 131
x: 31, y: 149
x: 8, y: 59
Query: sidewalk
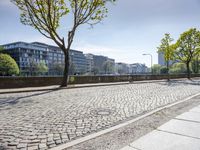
x: 71, y: 86
x: 180, y: 133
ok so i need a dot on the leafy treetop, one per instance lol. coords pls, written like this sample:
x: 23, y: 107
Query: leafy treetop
x: 188, y: 45
x: 45, y: 15
x: 165, y: 47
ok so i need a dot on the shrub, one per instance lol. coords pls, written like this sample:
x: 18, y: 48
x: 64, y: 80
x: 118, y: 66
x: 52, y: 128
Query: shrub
x: 8, y: 66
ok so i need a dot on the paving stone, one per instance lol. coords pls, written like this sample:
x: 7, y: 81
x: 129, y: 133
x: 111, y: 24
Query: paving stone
x: 42, y: 136
x: 21, y: 145
x: 32, y: 137
x: 196, y: 109
x: 128, y: 148
x: 58, y: 142
x: 33, y: 148
x: 190, y: 116
x: 41, y: 146
x: 22, y: 148
x: 42, y: 118
x: 13, y: 144
x: 182, y: 127
x: 34, y: 141
x: 52, y: 145
x: 158, y: 140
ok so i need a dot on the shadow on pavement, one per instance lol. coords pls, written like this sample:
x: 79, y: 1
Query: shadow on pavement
x: 13, y: 100
x: 176, y: 82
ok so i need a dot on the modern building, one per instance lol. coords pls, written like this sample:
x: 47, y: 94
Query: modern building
x: 122, y: 68
x: 138, y: 68
x: 90, y: 63
x: 78, y: 62
x: 161, y: 59
x: 100, y: 64
x: 28, y: 55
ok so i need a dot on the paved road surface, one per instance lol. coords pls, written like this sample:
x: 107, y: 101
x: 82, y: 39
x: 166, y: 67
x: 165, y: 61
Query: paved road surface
x: 41, y: 120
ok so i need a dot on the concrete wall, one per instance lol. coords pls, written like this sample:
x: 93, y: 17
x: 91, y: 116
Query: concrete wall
x: 17, y: 82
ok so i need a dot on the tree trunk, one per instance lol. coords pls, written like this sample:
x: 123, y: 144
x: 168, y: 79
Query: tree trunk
x: 188, y: 70
x: 168, y: 77
x: 66, y: 70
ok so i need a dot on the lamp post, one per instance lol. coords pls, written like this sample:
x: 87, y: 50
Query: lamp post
x: 151, y: 61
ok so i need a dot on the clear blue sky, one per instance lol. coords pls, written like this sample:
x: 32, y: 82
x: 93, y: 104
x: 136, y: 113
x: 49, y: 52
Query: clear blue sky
x: 133, y: 27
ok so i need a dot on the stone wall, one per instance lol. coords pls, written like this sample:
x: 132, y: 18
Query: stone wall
x: 17, y: 82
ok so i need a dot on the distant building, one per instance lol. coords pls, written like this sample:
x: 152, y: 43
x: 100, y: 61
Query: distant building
x: 122, y: 68
x: 112, y: 66
x: 138, y: 68
x: 28, y: 54
x: 99, y: 64
x: 161, y: 59
x: 78, y: 62
x: 90, y: 63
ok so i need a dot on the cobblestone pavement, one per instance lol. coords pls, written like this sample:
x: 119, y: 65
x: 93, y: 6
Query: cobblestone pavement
x: 41, y: 120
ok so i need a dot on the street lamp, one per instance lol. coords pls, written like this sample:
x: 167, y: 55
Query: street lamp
x: 151, y: 61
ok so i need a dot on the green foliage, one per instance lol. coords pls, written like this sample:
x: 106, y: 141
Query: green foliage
x: 108, y: 67
x: 72, y: 79
x: 165, y: 48
x: 59, y: 68
x: 178, y: 68
x: 8, y: 66
x: 41, y: 68
x: 187, y: 46
x: 45, y: 16
x: 95, y: 70
x: 164, y: 70
x: 156, y: 69
x: 196, y: 64
x: 1, y: 49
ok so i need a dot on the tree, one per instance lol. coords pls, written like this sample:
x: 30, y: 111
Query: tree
x: 164, y: 70
x: 196, y: 64
x: 95, y: 70
x: 178, y: 68
x: 187, y: 48
x: 41, y: 68
x: 32, y: 67
x: 166, y: 50
x: 1, y: 49
x: 45, y: 16
x: 108, y: 67
x: 156, y: 69
x: 58, y: 68
x: 8, y: 66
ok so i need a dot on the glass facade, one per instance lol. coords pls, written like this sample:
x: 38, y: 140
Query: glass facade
x: 28, y: 54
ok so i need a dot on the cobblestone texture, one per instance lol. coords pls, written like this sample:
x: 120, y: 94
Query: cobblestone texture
x: 42, y: 120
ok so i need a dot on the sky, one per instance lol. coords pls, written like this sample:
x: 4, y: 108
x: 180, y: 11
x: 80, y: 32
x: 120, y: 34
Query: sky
x: 132, y: 28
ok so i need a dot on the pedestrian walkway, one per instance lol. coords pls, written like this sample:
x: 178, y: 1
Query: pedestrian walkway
x: 180, y: 133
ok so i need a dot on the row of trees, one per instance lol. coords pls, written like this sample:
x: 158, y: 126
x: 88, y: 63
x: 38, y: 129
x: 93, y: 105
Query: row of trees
x: 185, y: 50
x: 176, y: 68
